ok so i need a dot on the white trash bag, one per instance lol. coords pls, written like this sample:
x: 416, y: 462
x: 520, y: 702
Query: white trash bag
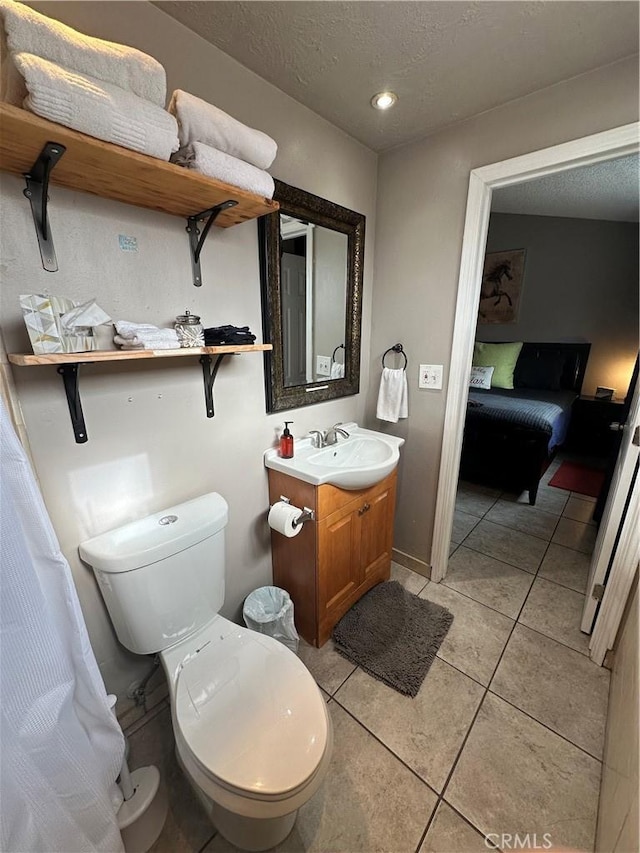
x: 269, y: 610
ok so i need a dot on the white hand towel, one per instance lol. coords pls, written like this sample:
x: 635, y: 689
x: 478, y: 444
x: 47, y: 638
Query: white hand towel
x: 224, y: 167
x: 96, y: 108
x: 393, y: 395
x: 337, y: 370
x: 199, y: 121
x: 28, y: 31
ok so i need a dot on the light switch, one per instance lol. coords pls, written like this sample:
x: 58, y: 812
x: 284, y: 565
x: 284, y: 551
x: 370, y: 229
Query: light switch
x: 430, y: 376
x: 323, y: 365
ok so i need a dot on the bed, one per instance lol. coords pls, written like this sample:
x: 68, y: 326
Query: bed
x: 510, y: 436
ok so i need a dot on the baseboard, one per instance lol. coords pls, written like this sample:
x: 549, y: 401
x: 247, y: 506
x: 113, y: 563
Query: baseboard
x: 410, y: 562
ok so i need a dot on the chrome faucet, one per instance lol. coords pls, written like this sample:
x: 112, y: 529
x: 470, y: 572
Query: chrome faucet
x: 326, y: 439
x: 317, y: 437
x: 331, y: 435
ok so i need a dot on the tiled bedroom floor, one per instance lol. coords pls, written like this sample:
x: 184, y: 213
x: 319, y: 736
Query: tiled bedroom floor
x: 506, y: 734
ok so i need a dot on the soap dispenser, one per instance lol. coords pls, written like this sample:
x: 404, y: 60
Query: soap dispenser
x: 286, y: 442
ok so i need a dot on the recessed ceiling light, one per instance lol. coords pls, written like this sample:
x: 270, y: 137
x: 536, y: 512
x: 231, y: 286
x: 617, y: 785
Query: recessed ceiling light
x: 384, y: 100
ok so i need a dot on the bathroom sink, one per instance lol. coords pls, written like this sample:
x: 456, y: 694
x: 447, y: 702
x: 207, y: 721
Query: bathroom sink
x: 357, y: 462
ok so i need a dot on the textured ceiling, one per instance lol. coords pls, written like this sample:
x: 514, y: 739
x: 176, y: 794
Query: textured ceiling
x: 608, y: 190
x: 446, y: 60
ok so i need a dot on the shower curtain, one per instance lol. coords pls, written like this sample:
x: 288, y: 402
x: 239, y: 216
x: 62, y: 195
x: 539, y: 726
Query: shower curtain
x: 60, y: 746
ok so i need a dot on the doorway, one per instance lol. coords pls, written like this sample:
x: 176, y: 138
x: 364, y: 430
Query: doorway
x: 609, y: 145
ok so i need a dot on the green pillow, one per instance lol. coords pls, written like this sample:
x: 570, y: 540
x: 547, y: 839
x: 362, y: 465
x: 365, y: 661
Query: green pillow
x: 502, y: 357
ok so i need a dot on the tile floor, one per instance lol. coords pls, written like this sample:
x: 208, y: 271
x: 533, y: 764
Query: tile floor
x: 506, y: 734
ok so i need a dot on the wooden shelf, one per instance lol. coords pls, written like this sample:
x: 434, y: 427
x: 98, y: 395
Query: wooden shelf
x: 103, y: 169
x: 56, y: 358
x: 68, y: 366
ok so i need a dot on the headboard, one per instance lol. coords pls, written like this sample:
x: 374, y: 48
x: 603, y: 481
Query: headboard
x: 574, y: 358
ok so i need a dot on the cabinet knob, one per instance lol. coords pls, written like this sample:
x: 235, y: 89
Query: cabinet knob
x: 364, y: 509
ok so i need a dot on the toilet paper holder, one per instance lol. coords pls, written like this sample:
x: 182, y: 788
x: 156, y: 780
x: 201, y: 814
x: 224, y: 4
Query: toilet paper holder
x: 307, y: 513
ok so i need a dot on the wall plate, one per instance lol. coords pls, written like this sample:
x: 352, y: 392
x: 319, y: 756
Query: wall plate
x: 430, y: 376
x: 323, y: 365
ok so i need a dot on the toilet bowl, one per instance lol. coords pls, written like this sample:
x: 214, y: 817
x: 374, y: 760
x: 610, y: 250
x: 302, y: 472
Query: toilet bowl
x: 252, y: 731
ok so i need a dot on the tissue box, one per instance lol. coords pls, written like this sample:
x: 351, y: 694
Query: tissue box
x: 42, y: 319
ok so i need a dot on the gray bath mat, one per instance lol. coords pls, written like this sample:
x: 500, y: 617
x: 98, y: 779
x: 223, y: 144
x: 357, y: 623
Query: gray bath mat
x: 393, y: 635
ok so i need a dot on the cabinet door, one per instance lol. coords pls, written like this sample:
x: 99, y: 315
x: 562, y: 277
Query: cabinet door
x: 338, y: 558
x: 376, y: 533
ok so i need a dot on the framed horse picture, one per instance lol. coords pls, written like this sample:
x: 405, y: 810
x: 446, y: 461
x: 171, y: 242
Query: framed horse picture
x: 501, y: 287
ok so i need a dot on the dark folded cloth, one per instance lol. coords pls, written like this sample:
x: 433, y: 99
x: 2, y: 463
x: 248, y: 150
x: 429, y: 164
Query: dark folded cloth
x: 217, y: 335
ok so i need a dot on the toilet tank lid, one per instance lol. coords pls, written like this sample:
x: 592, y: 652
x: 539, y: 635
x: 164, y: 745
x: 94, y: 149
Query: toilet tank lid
x: 157, y: 536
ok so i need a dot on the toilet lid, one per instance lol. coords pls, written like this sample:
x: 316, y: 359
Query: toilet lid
x: 251, y: 714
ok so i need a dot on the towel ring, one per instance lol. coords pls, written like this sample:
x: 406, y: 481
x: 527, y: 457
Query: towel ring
x: 396, y: 348
x: 333, y: 355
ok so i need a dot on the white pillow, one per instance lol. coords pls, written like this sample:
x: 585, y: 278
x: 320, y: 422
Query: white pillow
x: 481, y: 377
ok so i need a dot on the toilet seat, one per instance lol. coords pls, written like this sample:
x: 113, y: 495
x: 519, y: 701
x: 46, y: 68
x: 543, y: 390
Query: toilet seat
x: 248, y: 715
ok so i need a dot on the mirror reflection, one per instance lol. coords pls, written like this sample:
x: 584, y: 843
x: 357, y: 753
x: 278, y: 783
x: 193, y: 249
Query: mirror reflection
x: 313, y: 269
x: 311, y: 257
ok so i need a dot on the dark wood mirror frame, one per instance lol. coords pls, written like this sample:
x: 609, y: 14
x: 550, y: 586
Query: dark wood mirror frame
x: 319, y: 211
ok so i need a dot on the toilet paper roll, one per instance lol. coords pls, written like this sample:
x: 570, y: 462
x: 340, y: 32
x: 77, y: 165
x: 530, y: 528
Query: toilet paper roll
x: 282, y: 517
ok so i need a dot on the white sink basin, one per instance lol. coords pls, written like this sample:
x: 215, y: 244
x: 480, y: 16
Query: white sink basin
x: 357, y: 462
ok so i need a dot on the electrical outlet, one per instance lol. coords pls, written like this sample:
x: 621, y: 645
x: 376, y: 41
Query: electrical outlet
x: 323, y: 365
x: 430, y: 376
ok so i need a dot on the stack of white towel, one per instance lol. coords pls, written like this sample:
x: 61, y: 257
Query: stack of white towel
x: 144, y: 336
x: 221, y: 147
x: 100, y: 88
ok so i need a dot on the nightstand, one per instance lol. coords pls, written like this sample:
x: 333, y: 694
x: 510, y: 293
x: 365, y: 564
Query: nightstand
x: 589, y: 432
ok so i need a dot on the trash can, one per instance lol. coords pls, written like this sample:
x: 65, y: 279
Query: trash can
x: 269, y: 610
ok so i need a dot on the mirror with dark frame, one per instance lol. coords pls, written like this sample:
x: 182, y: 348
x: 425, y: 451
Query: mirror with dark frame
x: 311, y: 260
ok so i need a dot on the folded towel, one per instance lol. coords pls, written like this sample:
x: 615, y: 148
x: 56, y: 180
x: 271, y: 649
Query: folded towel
x: 224, y: 167
x: 127, y: 329
x: 28, y: 31
x: 153, y: 342
x: 199, y: 121
x: 96, y: 108
x: 337, y: 370
x: 144, y: 336
x: 393, y: 394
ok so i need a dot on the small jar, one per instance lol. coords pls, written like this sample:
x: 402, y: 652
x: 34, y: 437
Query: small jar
x: 189, y: 330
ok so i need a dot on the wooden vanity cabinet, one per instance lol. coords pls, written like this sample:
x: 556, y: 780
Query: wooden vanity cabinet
x: 336, y: 558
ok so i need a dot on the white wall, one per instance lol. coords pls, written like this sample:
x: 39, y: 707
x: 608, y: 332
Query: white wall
x: 422, y: 193
x: 150, y: 443
x: 580, y: 283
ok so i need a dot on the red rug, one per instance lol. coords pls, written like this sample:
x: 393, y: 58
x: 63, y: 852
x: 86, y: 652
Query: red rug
x: 578, y: 478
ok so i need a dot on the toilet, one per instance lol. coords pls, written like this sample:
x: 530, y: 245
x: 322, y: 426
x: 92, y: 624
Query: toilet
x: 252, y: 731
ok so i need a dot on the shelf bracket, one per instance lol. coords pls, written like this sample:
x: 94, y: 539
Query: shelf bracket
x: 37, y: 191
x: 196, y: 239
x: 209, y: 375
x: 71, y: 377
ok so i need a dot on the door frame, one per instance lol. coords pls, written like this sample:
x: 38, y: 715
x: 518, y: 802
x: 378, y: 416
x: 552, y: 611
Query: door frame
x: 608, y: 145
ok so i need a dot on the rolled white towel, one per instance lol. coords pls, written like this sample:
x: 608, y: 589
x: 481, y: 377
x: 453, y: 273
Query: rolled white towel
x: 96, y: 108
x: 28, y: 31
x: 199, y: 121
x: 224, y: 167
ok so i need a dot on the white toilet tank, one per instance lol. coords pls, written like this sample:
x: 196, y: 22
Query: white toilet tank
x: 162, y: 577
